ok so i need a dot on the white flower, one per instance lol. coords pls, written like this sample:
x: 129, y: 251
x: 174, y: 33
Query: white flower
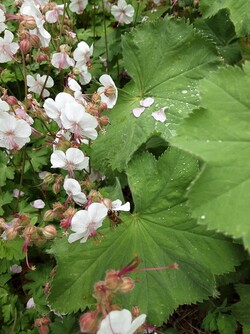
x: 123, y: 12
x: 14, y: 133
x: 2, y: 20
x: 36, y: 85
x: 109, y: 91
x: 4, y: 106
x: 30, y: 303
x: 78, y: 6
x: 31, y: 9
x: 51, y: 16
x: 120, y: 322
x: 16, y: 269
x: 73, y: 159
x: 86, y: 222
x: 117, y: 206
x: 84, y: 76
x: 38, y: 204
x: 82, y: 54
x: 54, y: 108
x: 81, y: 124
x: 17, y: 193
x: 73, y: 190
x: 160, y: 115
x: 7, y: 47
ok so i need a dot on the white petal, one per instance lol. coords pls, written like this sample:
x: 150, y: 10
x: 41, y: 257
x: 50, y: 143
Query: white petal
x: 74, y: 155
x: 97, y: 212
x: 137, y: 323
x: 116, y: 322
x: 58, y: 159
x: 71, y: 186
x: 75, y: 236
x: 80, y: 221
x: 138, y: 111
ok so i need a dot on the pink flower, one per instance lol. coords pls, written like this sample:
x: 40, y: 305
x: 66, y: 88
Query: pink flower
x: 38, y: 204
x: 86, y: 222
x: 123, y: 12
x: 14, y: 133
x: 78, y: 6
x: 16, y: 269
x: 160, y: 115
x: 61, y: 59
x: 7, y: 47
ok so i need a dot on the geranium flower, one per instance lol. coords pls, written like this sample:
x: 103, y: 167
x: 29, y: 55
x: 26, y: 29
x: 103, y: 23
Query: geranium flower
x: 54, y: 108
x: 36, y: 85
x: 123, y: 12
x: 109, y: 91
x: 14, y: 133
x: 73, y: 190
x: 82, y: 54
x: 120, y: 322
x: 76, y: 120
x: 2, y: 20
x: 84, y: 76
x: 73, y: 159
x: 78, y: 6
x: 7, y: 47
x: 61, y: 59
x: 86, y: 222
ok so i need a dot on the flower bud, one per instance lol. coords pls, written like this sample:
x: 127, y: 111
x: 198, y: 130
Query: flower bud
x: 25, y: 46
x: 127, y: 285
x: 39, y: 241
x: 88, y: 322
x: 28, y: 22
x: 50, y: 215
x: 104, y: 120
x: 102, y: 106
x: 49, y: 232
x: 11, y: 233
x: 112, y: 279
x: 11, y: 100
x: 35, y: 41
x: 136, y: 311
x: 41, y: 57
x: 100, y: 290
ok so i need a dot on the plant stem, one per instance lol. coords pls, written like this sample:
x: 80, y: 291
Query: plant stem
x: 105, y: 36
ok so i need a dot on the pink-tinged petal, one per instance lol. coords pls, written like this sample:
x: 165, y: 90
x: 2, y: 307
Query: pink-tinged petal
x: 116, y: 322
x: 38, y: 204
x: 80, y: 221
x: 75, y: 236
x: 8, y: 37
x: 97, y: 212
x: 138, y: 111
x: 58, y: 159
x: 74, y: 155
x: 71, y: 186
x: 147, y: 102
x: 80, y: 198
x: 30, y: 80
x: 23, y: 129
x: 160, y: 115
x: 137, y: 323
x: 51, y: 16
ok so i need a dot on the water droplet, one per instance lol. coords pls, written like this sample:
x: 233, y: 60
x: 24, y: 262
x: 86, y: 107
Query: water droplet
x: 203, y: 217
x: 184, y: 91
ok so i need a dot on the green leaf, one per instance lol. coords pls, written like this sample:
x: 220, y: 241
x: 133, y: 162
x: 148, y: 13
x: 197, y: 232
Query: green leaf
x: 221, y: 29
x: 5, y: 198
x: 68, y: 324
x: 241, y: 309
x: 220, y: 136
x: 37, y: 159
x: 165, y: 59
x: 239, y: 12
x: 161, y: 232
x: 6, y: 172
x: 11, y: 249
x: 226, y: 324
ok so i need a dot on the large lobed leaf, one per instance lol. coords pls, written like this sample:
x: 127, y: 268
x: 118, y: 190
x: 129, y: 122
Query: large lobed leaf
x: 161, y: 232
x: 165, y: 60
x: 220, y: 136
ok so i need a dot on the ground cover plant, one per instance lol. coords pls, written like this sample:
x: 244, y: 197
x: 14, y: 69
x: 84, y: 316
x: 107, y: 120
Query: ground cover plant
x: 124, y: 173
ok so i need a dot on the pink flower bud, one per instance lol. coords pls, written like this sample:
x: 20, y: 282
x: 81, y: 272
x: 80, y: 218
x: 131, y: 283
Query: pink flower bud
x: 35, y: 41
x: 41, y: 57
x: 49, y: 231
x: 11, y: 100
x: 88, y: 322
x: 104, y: 120
x: 112, y: 279
x: 25, y: 46
x: 28, y: 22
x: 127, y: 285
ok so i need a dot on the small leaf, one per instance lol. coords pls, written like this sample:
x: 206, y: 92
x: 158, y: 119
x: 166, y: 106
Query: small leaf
x: 241, y: 309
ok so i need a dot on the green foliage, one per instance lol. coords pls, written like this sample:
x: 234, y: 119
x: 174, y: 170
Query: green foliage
x: 161, y: 232
x: 6, y: 172
x: 219, y: 135
x: 163, y: 68
x: 11, y: 249
x: 241, y: 309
